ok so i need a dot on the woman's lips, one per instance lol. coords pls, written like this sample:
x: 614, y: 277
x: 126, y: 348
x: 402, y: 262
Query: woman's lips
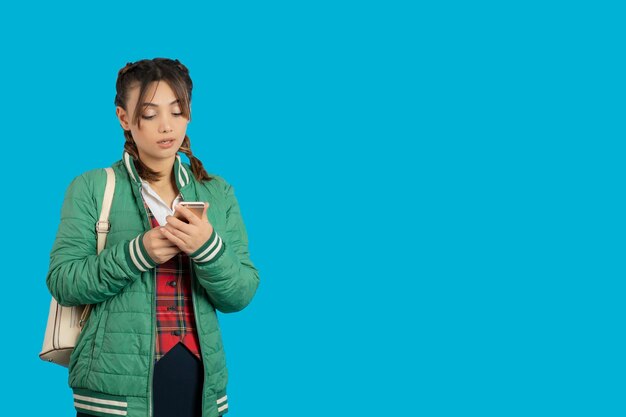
x: 166, y: 143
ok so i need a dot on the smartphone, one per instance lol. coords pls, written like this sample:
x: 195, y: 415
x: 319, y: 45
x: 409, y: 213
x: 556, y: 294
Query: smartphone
x: 197, y: 207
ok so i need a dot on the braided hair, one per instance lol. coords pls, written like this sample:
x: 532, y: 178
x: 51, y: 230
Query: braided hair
x: 143, y: 73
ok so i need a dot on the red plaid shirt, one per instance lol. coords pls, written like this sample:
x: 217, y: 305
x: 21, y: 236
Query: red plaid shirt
x: 174, y: 310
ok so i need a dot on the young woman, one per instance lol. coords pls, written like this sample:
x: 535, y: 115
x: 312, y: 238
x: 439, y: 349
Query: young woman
x: 152, y: 345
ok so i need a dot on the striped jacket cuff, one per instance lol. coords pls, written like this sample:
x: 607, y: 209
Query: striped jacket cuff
x: 210, y: 251
x: 137, y: 255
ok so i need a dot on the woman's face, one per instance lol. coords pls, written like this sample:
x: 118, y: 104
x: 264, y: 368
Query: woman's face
x: 161, y: 120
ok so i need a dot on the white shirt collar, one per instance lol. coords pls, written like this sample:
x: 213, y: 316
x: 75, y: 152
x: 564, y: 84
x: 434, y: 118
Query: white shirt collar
x: 157, y: 206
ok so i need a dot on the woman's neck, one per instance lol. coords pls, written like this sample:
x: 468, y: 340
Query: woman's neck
x: 164, y: 167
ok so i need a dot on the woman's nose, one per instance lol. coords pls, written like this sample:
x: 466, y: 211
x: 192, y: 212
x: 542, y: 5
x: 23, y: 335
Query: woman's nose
x: 165, y: 124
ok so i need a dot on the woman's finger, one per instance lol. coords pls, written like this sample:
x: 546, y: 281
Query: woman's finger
x: 178, y: 233
x: 173, y: 238
x: 161, y: 241
x: 179, y: 224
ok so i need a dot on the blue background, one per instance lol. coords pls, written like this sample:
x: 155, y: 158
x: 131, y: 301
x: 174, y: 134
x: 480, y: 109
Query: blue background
x: 434, y: 194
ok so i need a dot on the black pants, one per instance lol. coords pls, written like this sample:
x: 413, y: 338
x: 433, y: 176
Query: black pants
x: 176, y: 384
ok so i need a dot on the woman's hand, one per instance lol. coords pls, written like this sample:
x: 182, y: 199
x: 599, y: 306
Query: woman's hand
x: 189, y: 237
x: 159, y: 248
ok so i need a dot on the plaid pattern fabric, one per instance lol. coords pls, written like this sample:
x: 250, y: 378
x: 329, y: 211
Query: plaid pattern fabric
x: 174, y: 310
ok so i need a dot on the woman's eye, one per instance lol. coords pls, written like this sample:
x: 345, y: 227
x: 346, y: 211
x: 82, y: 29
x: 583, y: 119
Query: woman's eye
x: 152, y: 116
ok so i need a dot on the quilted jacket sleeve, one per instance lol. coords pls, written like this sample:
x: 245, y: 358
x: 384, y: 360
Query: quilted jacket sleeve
x: 77, y: 274
x: 223, y: 266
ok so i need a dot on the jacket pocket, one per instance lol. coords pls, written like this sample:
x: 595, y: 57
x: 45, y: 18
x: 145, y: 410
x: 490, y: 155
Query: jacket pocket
x: 84, y: 343
x: 97, y: 340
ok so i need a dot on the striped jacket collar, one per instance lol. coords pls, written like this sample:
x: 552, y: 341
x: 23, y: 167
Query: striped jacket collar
x: 182, y: 174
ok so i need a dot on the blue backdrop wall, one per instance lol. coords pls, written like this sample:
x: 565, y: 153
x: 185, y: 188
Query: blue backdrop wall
x: 433, y: 194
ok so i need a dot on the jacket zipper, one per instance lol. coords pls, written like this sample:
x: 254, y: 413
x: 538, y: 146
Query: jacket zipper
x: 196, y: 318
x: 153, y: 321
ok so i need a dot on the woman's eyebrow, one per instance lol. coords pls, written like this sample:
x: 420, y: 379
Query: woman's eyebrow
x: 155, y: 105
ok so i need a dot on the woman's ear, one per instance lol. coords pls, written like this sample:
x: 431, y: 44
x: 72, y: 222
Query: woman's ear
x: 122, y: 115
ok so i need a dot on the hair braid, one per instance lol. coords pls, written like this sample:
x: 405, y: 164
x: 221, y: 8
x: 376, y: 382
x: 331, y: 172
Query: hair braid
x: 196, y: 165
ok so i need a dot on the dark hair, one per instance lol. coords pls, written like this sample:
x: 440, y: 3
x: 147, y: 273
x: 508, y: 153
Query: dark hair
x: 142, y: 73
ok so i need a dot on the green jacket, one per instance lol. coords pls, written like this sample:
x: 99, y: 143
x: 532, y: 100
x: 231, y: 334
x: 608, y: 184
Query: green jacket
x: 110, y: 370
